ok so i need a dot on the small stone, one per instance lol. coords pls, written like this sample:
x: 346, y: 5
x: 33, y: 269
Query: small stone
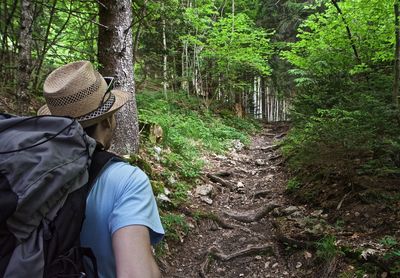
x: 298, y: 265
x: 241, y: 275
x: 275, y: 265
x: 240, y: 185
x: 157, y: 150
x: 221, y: 270
x: 356, y: 214
x: 384, y: 275
x: 204, y: 190
x: 277, y: 212
x: 317, y: 213
x: 258, y: 257
x: 290, y: 209
x: 307, y: 255
x: 206, y: 200
x: 238, y: 145
x: 285, y: 273
x: 242, y: 239
x: 171, y: 180
x: 270, y: 177
x: 260, y: 162
x: 297, y: 214
x: 267, y: 264
x: 163, y: 198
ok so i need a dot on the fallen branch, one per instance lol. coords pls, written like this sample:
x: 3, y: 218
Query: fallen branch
x: 341, y: 201
x: 261, y: 193
x: 222, y: 181
x: 270, y: 148
x: 252, y: 216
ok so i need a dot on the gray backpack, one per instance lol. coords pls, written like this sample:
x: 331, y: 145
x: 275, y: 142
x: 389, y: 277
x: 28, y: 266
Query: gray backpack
x: 44, y: 182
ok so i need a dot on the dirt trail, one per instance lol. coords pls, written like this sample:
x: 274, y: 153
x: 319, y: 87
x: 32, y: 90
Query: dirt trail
x: 238, y: 236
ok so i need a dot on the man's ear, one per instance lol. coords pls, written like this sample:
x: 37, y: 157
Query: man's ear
x: 106, y: 123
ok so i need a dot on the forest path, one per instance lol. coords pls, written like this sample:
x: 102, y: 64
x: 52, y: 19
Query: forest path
x: 233, y: 228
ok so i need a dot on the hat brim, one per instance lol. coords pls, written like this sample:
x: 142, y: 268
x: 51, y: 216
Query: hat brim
x: 121, y: 98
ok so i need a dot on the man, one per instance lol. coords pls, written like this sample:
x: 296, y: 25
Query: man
x: 122, y: 220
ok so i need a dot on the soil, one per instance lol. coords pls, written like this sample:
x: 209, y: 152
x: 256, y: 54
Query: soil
x: 245, y: 223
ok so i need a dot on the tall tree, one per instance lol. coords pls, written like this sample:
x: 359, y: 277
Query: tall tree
x: 397, y: 55
x: 24, y: 58
x: 115, y: 55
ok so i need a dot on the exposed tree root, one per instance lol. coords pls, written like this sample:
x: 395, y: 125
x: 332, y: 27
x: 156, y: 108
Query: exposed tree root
x: 222, y: 181
x: 270, y: 148
x: 269, y: 134
x: 272, y: 158
x: 215, y: 253
x: 261, y: 193
x: 252, y: 216
x: 208, y: 215
x: 223, y: 174
x: 221, y: 222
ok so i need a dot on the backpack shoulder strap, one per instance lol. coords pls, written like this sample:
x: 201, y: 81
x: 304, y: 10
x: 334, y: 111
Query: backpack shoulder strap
x: 99, y: 160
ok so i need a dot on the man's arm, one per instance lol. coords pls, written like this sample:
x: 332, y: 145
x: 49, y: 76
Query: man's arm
x: 133, y: 255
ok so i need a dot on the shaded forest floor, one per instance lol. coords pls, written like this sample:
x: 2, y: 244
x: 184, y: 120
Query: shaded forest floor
x: 244, y: 223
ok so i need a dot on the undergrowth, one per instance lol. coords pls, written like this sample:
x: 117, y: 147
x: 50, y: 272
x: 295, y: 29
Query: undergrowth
x: 176, y: 133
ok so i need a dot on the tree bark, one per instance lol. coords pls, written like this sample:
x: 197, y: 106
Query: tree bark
x: 115, y: 55
x: 397, y: 56
x: 24, y: 57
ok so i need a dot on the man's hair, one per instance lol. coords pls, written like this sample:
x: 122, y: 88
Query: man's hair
x: 90, y: 130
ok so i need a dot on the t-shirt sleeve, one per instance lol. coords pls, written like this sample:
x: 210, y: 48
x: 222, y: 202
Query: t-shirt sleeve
x: 134, y: 202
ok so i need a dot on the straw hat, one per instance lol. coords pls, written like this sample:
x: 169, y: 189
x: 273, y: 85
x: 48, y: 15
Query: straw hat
x: 77, y: 90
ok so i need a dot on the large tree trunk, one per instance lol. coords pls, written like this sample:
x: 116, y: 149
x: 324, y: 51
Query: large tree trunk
x: 24, y: 56
x: 397, y: 57
x: 115, y: 55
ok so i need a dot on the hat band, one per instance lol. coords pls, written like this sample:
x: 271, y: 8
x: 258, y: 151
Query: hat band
x: 105, y: 107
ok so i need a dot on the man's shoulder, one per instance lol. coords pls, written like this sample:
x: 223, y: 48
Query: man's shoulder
x: 122, y: 171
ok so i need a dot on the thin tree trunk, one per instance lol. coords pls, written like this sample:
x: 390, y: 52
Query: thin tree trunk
x: 185, y: 68
x: 397, y: 57
x: 165, y: 56
x: 349, y: 35
x: 24, y: 57
x: 115, y: 55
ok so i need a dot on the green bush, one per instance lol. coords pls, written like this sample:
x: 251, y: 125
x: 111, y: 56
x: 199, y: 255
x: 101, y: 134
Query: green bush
x: 327, y: 248
x: 336, y: 142
x: 175, y: 226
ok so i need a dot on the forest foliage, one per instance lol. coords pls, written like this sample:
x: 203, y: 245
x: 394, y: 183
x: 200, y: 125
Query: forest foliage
x: 346, y: 122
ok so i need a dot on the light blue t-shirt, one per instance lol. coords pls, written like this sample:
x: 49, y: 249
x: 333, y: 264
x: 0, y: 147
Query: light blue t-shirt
x: 121, y: 196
